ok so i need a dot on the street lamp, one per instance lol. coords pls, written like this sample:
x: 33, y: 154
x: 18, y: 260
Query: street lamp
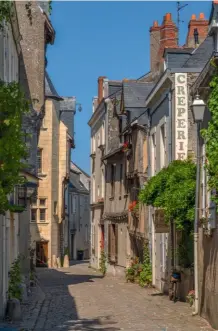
x: 198, y: 108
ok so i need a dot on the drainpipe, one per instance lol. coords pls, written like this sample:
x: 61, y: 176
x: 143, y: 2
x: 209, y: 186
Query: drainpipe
x: 64, y: 187
x: 169, y: 161
x: 196, y: 222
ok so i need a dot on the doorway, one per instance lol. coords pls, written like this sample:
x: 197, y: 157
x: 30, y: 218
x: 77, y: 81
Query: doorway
x: 42, y: 254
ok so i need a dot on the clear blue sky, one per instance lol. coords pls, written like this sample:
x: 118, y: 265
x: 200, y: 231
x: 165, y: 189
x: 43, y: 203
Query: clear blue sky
x: 104, y: 39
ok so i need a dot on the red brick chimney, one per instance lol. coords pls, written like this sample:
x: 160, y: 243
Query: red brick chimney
x: 100, y: 88
x: 197, y: 30
x: 154, y: 45
x: 168, y: 35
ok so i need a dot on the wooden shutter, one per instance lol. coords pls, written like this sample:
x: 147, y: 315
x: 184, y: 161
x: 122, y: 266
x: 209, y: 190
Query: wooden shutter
x: 116, y: 243
x: 109, y: 241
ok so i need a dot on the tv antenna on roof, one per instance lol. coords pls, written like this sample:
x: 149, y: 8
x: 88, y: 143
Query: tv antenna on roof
x: 179, y: 7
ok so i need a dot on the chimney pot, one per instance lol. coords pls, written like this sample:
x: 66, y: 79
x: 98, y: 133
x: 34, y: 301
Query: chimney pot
x: 193, y: 17
x: 201, y: 16
x: 168, y: 17
x: 100, y: 88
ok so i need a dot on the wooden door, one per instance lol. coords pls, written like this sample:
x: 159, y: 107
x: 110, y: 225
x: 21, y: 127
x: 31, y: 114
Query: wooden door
x: 41, y: 254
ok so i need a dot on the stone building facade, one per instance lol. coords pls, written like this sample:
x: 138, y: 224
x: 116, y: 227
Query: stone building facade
x: 49, y: 211
x: 79, y: 212
x: 18, y: 63
x: 97, y: 125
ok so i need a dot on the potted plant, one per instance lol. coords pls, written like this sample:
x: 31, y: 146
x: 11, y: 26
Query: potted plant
x: 126, y: 147
x: 191, y: 297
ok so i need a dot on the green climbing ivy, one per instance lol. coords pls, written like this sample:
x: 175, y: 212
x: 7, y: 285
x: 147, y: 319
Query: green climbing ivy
x: 13, y: 106
x: 103, y: 263
x: 173, y: 190
x: 5, y: 12
x: 14, y: 286
x: 211, y: 137
x: 145, y: 277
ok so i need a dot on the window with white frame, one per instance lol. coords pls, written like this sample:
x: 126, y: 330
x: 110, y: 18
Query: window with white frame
x: 162, y: 146
x: 153, y: 154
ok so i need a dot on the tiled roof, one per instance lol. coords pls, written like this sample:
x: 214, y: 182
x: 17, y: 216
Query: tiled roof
x: 50, y: 91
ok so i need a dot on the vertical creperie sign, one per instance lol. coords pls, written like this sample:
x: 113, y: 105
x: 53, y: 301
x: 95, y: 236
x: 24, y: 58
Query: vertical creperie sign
x: 181, y: 117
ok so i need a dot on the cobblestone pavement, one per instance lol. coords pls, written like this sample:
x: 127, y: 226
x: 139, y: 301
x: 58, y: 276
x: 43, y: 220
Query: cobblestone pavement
x: 78, y: 298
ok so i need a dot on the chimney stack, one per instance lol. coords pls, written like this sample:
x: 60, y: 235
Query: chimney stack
x: 100, y: 88
x: 168, y: 35
x: 196, y: 26
x: 154, y: 45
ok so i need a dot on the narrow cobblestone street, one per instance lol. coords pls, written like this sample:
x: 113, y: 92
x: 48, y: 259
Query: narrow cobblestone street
x: 78, y: 298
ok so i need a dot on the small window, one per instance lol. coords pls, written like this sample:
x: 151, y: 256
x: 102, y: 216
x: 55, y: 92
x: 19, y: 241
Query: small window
x: 33, y: 215
x: 33, y: 201
x: 39, y: 160
x: 42, y: 202
x: 42, y: 214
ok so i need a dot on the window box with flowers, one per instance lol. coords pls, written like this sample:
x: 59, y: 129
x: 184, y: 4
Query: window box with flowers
x: 126, y: 147
x: 134, y: 208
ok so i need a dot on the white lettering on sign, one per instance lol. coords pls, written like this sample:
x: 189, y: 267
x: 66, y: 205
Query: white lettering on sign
x: 181, y: 117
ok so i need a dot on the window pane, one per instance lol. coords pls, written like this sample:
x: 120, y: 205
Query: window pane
x: 42, y: 202
x: 39, y: 160
x: 42, y: 214
x: 33, y: 215
x: 33, y: 201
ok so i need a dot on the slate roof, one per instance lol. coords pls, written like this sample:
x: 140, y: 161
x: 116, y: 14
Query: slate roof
x: 67, y: 117
x: 75, y: 183
x: 176, y: 58
x: 113, y: 87
x: 50, y: 91
x: 201, y: 55
x: 135, y: 94
x: 68, y: 103
x: 81, y: 170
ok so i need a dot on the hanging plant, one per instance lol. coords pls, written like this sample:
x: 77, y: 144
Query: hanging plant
x: 13, y: 149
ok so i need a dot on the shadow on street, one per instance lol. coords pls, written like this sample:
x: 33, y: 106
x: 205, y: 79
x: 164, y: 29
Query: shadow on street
x: 59, y: 311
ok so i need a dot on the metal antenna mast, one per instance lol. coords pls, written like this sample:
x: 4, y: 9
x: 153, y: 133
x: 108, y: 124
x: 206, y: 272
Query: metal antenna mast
x: 179, y: 7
